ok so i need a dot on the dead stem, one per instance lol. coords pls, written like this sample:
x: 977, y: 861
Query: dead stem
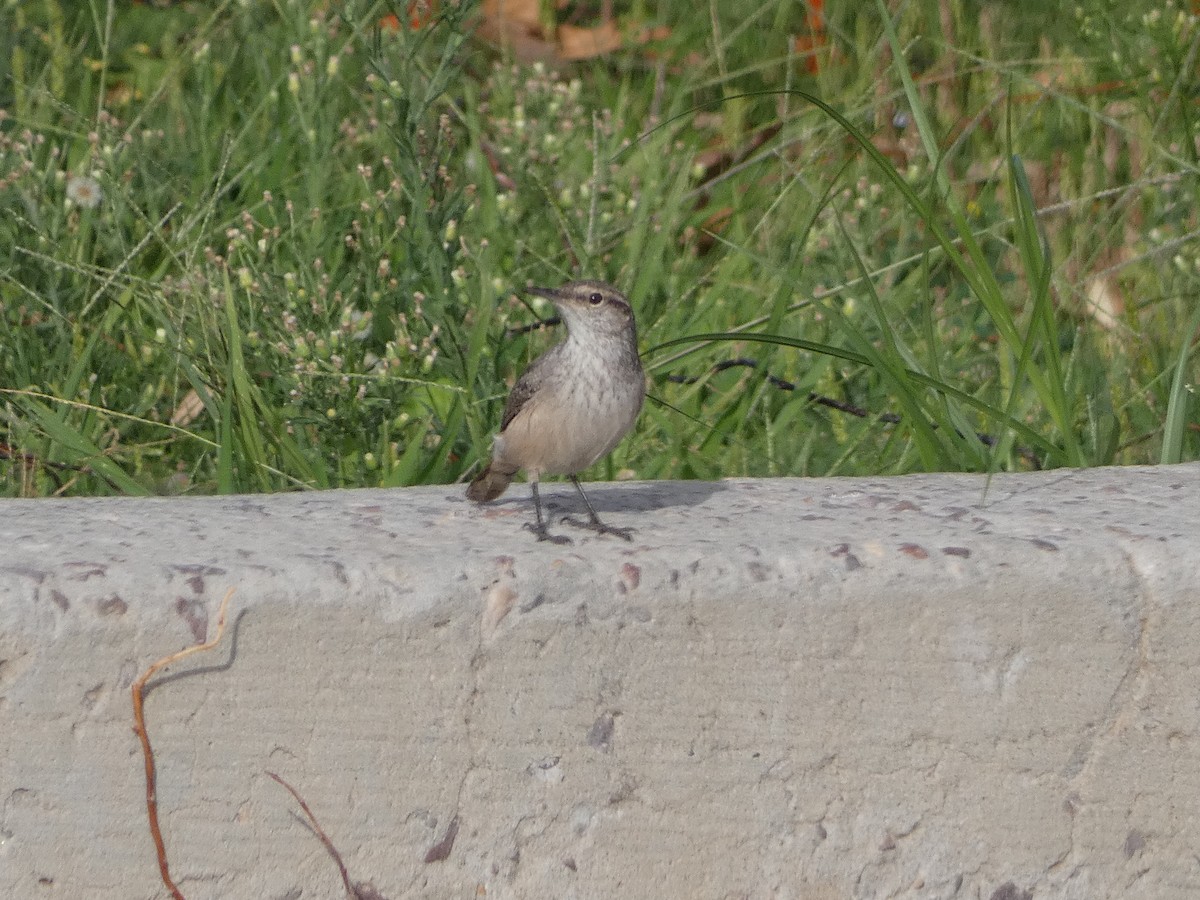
x: 139, y: 726
x: 356, y: 891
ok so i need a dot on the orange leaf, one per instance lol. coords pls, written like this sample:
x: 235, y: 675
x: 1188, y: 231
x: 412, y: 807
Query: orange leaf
x: 420, y: 13
x: 516, y: 24
x: 816, y: 16
x: 586, y: 43
x: 513, y: 12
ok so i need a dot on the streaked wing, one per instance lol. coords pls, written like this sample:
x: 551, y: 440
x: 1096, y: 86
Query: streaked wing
x: 525, y: 388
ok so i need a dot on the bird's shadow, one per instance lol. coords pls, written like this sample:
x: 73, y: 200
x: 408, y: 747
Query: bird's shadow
x: 614, y: 496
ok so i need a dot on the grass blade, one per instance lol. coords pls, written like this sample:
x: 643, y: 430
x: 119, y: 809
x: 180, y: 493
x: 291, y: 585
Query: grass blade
x: 1180, y: 398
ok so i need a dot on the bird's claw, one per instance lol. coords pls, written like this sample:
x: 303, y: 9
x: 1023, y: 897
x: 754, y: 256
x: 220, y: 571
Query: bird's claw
x: 543, y: 535
x: 600, y: 528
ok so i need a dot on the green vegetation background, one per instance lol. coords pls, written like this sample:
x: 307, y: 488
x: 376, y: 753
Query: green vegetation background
x: 255, y: 247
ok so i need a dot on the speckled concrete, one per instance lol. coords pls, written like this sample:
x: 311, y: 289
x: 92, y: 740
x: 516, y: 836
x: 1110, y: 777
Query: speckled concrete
x: 931, y: 686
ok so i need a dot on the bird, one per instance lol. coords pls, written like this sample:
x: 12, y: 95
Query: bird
x: 573, y: 404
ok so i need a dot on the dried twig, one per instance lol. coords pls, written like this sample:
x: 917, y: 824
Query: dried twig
x: 355, y: 891
x: 888, y: 418
x: 139, y: 726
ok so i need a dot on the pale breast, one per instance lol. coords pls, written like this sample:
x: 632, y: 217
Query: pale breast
x: 573, y: 421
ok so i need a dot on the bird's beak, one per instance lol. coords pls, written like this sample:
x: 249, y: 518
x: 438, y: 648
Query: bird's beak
x: 549, y: 293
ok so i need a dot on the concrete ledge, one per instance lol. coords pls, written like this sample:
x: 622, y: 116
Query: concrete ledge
x: 915, y: 687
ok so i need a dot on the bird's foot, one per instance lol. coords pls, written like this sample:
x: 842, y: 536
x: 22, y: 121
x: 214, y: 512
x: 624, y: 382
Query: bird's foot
x: 543, y: 535
x: 600, y: 528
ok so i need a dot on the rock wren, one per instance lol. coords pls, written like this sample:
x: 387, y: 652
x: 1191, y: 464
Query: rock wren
x: 573, y: 404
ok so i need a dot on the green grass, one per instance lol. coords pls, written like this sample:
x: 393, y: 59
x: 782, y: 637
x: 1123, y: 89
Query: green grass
x: 974, y: 253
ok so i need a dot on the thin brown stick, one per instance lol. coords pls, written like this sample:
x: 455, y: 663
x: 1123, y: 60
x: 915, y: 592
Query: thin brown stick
x: 355, y: 891
x: 139, y: 726
x: 887, y: 418
x: 320, y: 832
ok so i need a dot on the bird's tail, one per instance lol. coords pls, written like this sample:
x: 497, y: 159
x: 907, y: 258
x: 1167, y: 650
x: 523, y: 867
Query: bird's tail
x: 489, y: 484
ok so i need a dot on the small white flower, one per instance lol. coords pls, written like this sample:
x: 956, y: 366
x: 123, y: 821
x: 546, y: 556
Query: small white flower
x: 84, y: 191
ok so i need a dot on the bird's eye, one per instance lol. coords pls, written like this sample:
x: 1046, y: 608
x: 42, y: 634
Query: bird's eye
x: 596, y: 299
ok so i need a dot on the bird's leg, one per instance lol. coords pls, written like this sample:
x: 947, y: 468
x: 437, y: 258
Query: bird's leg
x: 540, y: 528
x: 593, y: 523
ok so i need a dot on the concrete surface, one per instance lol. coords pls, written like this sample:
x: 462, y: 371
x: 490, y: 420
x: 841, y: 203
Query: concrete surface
x: 911, y: 687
